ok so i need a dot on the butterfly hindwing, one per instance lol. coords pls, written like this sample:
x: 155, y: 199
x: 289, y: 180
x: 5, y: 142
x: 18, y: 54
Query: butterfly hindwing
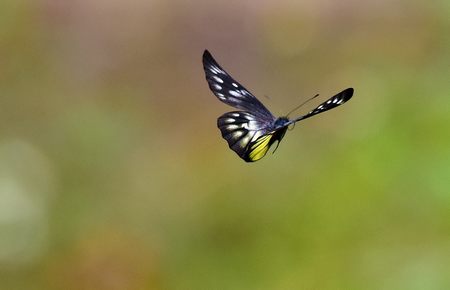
x: 246, y: 134
x: 229, y: 91
x: 259, y: 147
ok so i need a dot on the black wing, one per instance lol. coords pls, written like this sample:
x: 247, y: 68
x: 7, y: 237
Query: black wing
x: 244, y: 133
x: 331, y: 103
x: 230, y: 91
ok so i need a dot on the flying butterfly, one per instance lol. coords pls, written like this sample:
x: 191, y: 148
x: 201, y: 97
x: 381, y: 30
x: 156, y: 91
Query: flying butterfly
x: 252, y: 130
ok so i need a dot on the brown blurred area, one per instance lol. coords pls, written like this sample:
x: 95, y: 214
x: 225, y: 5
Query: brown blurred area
x: 113, y: 174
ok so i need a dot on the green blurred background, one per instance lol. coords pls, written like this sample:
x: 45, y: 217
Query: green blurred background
x: 113, y: 174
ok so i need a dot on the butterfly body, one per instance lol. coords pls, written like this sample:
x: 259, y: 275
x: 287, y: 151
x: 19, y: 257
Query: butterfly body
x: 251, y: 131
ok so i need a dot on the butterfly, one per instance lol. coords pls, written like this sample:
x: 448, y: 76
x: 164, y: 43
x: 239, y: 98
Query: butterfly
x: 252, y: 130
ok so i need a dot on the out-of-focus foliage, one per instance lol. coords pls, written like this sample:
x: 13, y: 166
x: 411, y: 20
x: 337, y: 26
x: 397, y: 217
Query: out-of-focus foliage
x: 113, y: 174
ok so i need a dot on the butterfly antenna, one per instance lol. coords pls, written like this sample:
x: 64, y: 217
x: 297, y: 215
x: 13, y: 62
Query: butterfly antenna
x: 293, y: 110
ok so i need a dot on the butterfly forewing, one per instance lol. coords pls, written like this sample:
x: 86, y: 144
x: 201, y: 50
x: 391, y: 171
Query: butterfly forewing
x: 229, y: 91
x: 329, y: 104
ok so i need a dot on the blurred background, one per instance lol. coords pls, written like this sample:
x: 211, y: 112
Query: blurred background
x: 113, y: 174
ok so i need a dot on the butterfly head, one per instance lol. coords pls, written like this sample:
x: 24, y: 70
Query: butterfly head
x: 281, y: 122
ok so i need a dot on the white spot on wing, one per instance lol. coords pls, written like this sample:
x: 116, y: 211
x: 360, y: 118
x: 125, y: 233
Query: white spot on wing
x: 235, y: 94
x: 238, y: 134
x: 215, y: 69
x: 229, y: 120
x: 250, y: 125
x: 257, y: 135
x: 221, y: 96
x: 235, y: 85
x: 218, y: 87
x: 232, y: 127
x: 235, y: 114
x: 245, y: 140
x: 218, y: 79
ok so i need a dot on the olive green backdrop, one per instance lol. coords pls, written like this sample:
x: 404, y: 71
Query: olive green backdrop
x: 113, y: 174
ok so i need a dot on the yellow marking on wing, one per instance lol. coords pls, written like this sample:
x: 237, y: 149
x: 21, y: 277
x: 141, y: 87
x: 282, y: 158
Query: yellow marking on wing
x: 259, y: 149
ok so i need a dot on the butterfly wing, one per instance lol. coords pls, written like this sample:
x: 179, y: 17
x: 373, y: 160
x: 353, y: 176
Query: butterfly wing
x: 246, y: 134
x: 258, y: 148
x: 229, y: 91
x: 331, y: 103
